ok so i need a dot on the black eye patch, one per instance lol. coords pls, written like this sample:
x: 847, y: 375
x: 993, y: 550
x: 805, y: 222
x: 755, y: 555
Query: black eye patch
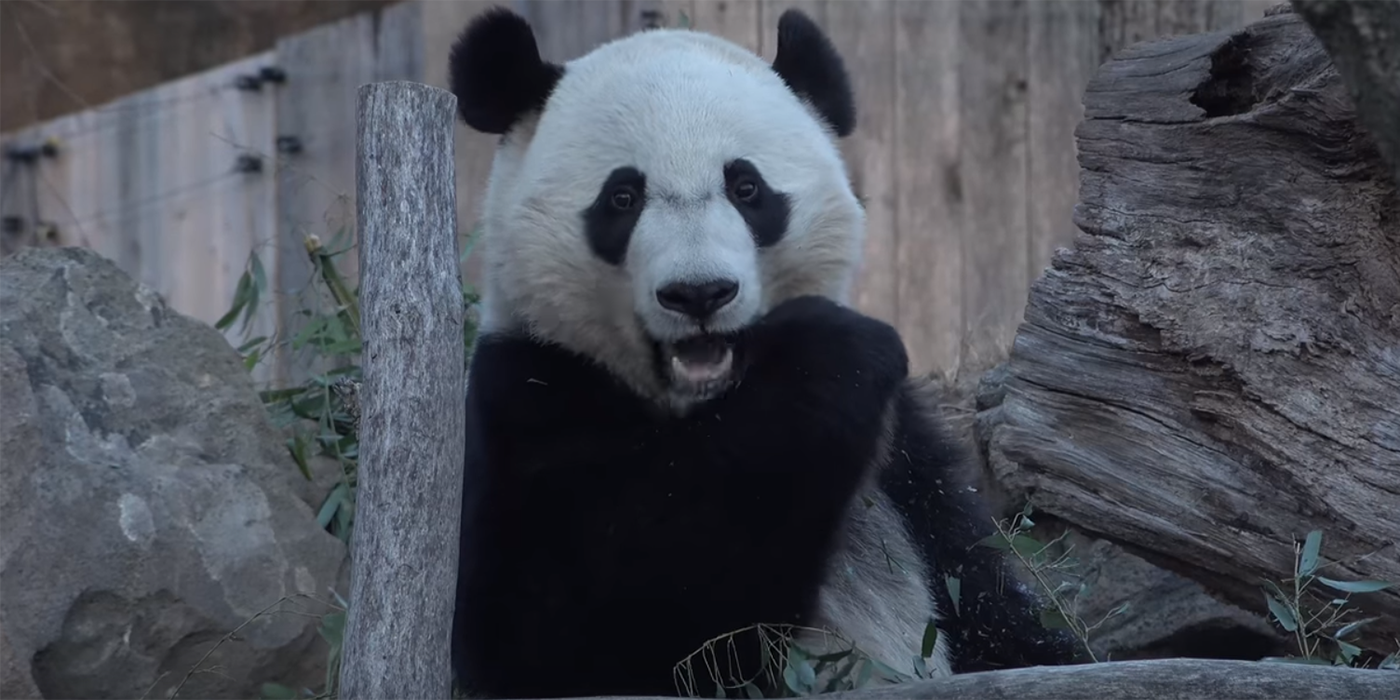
x: 764, y: 209
x: 609, y: 221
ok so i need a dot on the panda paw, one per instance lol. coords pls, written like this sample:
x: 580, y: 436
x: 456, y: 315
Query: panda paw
x: 815, y: 336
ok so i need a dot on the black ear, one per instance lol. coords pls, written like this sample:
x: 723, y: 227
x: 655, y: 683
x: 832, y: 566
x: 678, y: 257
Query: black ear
x: 809, y: 64
x: 497, y: 73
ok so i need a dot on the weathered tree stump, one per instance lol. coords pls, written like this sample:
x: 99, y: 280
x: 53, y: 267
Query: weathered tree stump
x: 1214, y: 369
x: 410, y: 410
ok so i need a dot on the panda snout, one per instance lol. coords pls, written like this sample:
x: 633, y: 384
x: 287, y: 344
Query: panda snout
x: 698, y: 300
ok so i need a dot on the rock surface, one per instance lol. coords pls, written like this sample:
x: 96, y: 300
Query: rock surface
x: 147, y: 503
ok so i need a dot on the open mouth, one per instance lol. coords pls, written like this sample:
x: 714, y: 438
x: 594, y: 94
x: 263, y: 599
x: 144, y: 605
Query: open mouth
x: 699, y: 365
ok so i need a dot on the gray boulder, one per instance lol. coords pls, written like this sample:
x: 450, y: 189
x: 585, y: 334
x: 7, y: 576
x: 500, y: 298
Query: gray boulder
x: 147, y: 504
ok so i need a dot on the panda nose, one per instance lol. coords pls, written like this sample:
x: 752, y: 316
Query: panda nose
x: 697, y: 300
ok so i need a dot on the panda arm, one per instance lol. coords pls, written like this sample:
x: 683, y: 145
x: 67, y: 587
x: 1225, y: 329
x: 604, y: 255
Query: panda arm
x: 996, y: 623
x: 624, y: 539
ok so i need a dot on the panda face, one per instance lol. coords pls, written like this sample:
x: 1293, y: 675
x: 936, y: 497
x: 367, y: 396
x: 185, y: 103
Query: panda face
x: 671, y: 189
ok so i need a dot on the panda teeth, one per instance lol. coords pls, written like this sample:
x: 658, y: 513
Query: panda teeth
x: 697, y: 373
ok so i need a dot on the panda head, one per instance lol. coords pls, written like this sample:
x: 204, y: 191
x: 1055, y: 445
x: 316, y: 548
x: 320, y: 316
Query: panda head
x: 651, y: 199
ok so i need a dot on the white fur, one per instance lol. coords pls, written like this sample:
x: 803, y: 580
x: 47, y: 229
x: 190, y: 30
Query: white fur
x: 678, y: 105
x: 876, y: 593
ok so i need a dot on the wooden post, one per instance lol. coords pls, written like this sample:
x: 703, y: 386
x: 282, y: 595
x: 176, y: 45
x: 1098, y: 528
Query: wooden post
x: 404, y: 546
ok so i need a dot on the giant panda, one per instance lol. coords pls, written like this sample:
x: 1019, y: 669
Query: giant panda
x: 676, y: 427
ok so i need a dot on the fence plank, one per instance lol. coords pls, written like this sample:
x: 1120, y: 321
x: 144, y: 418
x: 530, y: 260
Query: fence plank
x: 736, y: 20
x: 443, y: 22
x: 149, y: 182
x: 316, y: 187
x: 930, y: 191
x: 864, y: 34
x: 1063, y: 55
x: 993, y: 83
x: 945, y: 239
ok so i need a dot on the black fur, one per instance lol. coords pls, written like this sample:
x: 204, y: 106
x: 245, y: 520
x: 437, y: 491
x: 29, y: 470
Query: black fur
x: 607, y: 223
x: 765, y: 211
x: 604, y: 540
x: 496, y: 72
x: 810, y: 65
x: 994, y: 625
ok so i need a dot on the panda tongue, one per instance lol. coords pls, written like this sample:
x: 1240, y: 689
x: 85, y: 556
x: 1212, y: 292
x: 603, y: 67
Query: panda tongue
x: 700, y: 359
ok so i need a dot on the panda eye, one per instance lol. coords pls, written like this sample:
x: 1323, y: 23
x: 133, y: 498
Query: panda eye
x: 623, y: 198
x: 746, y: 190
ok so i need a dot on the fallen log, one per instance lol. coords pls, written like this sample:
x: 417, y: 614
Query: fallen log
x: 1158, y: 679
x: 1363, y: 39
x: 1213, y: 370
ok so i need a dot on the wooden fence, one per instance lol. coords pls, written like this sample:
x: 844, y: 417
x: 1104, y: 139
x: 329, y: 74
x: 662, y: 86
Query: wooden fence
x: 963, y: 153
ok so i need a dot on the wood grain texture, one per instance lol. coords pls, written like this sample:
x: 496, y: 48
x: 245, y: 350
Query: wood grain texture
x: 443, y: 22
x: 929, y: 184
x: 150, y: 182
x: 1212, y: 370
x: 735, y: 20
x: 1363, y: 40
x: 861, y: 32
x: 412, y: 412
x: 966, y: 168
x: 316, y: 187
x: 1123, y: 23
x: 1164, y: 679
x: 1062, y: 55
x: 993, y: 161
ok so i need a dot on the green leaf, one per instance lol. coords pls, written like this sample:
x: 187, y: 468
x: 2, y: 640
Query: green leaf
x: 954, y: 585
x: 790, y: 680
x: 995, y: 540
x: 887, y: 672
x: 863, y: 676
x: 296, y: 445
x: 1052, y: 619
x: 1312, y: 545
x: 333, y: 501
x: 1390, y: 663
x: 752, y: 691
x: 255, y: 289
x: 252, y: 344
x: 277, y: 691
x: 833, y: 657
x: 1355, y: 586
x: 332, y: 629
x: 1281, y: 613
x: 240, y: 300
x: 1347, y: 653
x: 1352, y: 627
x: 251, y: 360
x: 806, y: 674
x: 930, y: 639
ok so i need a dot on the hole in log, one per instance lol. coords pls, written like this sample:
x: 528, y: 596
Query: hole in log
x: 1214, y: 640
x: 1230, y: 89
